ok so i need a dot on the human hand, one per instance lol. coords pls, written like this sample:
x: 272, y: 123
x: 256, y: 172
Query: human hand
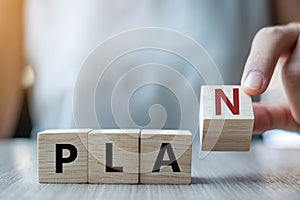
x: 272, y: 46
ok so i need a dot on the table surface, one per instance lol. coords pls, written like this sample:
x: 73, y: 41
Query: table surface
x: 262, y: 173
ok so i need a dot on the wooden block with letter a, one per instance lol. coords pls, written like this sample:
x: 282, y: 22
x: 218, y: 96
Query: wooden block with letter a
x: 165, y: 157
x: 113, y: 156
x: 62, y: 156
x: 226, y: 118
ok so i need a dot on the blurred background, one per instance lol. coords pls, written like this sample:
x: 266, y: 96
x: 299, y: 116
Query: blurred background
x: 43, y: 44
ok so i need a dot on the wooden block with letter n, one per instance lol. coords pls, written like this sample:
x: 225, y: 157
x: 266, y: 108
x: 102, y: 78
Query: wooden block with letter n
x: 165, y: 157
x: 226, y: 118
x: 62, y: 156
x: 113, y: 156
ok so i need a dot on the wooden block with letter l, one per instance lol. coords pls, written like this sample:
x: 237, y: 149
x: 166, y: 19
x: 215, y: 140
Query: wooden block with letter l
x: 62, y: 156
x: 226, y: 118
x: 165, y: 157
x: 113, y: 156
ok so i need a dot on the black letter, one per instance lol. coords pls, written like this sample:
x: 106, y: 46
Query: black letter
x: 109, y: 158
x: 59, y: 156
x: 159, y: 160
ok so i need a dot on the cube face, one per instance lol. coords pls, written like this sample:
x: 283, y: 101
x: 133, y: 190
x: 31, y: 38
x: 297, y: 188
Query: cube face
x: 226, y: 119
x: 165, y: 157
x: 113, y: 156
x: 69, y: 147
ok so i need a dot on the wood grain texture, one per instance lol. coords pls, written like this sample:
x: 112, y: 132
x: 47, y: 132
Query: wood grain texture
x: 151, y: 143
x: 261, y: 173
x: 226, y: 131
x: 73, y: 172
x: 125, y: 154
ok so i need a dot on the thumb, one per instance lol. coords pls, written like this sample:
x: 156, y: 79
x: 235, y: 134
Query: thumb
x: 271, y: 116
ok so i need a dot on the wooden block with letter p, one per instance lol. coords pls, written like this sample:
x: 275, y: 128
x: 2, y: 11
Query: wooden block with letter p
x: 113, y: 156
x: 62, y: 156
x: 165, y: 157
x: 226, y: 118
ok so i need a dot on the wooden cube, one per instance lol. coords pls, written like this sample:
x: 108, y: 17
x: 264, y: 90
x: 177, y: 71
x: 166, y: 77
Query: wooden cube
x: 165, y: 157
x: 113, y: 156
x: 62, y: 156
x: 226, y: 118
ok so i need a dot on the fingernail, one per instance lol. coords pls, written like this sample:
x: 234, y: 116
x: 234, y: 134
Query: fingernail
x: 254, y: 80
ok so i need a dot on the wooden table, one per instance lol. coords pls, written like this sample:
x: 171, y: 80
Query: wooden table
x: 262, y: 173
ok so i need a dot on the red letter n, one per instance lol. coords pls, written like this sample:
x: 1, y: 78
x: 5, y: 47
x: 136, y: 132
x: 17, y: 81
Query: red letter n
x: 234, y: 108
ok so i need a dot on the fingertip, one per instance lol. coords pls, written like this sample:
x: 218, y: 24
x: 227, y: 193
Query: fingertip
x: 253, y: 83
x: 251, y: 92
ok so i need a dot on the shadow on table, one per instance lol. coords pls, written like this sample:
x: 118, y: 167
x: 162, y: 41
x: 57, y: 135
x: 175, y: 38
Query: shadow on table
x: 253, y: 178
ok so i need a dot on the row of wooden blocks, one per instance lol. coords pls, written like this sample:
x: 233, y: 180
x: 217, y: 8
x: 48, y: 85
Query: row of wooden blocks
x: 115, y: 156
x: 147, y: 156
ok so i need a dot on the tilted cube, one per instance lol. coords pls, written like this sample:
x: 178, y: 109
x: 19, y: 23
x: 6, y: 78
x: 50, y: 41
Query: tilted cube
x: 226, y: 118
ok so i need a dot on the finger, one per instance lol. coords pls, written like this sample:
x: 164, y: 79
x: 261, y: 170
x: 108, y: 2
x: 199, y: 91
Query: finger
x: 268, y: 45
x: 291, y: 78
x: 267, y: 116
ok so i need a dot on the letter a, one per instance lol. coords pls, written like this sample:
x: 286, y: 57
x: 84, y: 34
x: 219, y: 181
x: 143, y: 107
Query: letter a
x: 166, y: 147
